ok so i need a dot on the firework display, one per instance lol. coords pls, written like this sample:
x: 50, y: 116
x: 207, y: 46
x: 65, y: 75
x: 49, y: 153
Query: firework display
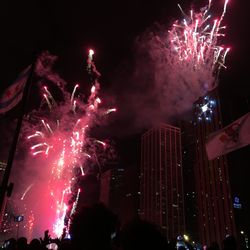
x: 61, y: 141
x: 195, y: 40
x: 183, y: 64
x: 205, y: 110
x: 177, y: 65
x: 197, y: 55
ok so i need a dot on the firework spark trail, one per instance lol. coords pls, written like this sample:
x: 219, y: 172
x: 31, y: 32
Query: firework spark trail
x: 175, y: 66
x: 27, y: 190
x: 62, y: 138
x: 195, y: 41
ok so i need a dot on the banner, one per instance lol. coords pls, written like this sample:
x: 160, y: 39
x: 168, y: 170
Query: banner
x: 230, y: 138
x: 14, y: 93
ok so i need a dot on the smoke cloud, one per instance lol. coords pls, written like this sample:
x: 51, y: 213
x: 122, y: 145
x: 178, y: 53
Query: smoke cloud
x: 57, y: 153
x: 161, y: 88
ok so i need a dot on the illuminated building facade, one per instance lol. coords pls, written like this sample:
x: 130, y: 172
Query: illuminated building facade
x: 161, y: 180
x: 215, y: 212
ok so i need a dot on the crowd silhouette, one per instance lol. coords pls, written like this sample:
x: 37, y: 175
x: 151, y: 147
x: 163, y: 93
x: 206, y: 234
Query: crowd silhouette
x: 97, y: 228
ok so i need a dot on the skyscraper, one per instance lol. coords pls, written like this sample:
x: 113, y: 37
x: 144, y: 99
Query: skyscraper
x: 215, y: 212
x: 161, y: 183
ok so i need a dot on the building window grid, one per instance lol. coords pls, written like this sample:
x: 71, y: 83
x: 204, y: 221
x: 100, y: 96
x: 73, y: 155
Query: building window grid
x: 167, y: 168
x: 216, y: 124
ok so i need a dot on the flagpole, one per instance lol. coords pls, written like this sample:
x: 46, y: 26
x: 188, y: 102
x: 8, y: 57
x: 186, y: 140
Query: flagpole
x: 5, y: 188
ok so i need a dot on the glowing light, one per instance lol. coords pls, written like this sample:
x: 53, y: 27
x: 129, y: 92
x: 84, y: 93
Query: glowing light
x: 62, y: 140
x: 205, y: 109
x: 27, y: 190
x: 101, y: 142
x: 196, y: 41
x: 93, y: 89
x: 38, y: 133
x: 110, y: 110
x: 90, y: 59
x: 76, y: 201
x: 47, y: 100
x: 98, y: 100
x: 186, y: 237
x: 39, y: 145
x: 74, y: 106
x: 73, y: 93
x: 91, y: 52
x: 82, y: 171
x: 49, y: 96
x: 38, y: 152
x: 91, y: 106
x: 49, y: 128
x: 59, y: 224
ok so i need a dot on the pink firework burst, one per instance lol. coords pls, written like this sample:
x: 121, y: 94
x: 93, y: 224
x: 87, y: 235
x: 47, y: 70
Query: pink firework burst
x: 60, y: 139
x: 195, y: 41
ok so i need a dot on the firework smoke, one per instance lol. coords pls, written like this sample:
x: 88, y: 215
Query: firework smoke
x: 194, y: 46
x: 61, y: 150
x: 176, y: 66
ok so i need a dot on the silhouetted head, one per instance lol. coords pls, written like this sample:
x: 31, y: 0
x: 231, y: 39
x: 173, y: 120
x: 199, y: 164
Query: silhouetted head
x: 140, y: 234
x: 10, y: 243
x: 229, y: 243
x: 35, y: 244
x: 92, y: 227
x: 65, y: 245
x: 22, y: 243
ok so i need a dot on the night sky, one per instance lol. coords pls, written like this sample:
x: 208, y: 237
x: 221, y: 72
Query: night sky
x: 69, y: 28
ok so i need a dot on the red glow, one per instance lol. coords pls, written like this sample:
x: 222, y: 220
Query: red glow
x: 91, y: 52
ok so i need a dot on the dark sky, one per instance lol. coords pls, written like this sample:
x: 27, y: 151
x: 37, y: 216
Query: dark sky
x: 69, y: 28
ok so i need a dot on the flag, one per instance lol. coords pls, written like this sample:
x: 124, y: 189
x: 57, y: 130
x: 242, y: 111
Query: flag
x: 232, y: 137
x: 42, y: 69
x: 14, y: 93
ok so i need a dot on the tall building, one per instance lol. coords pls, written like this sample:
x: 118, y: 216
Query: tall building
x: 161, y: 180
x: 215, y: 212
x: 190, y: 194
x: 120, y: 186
